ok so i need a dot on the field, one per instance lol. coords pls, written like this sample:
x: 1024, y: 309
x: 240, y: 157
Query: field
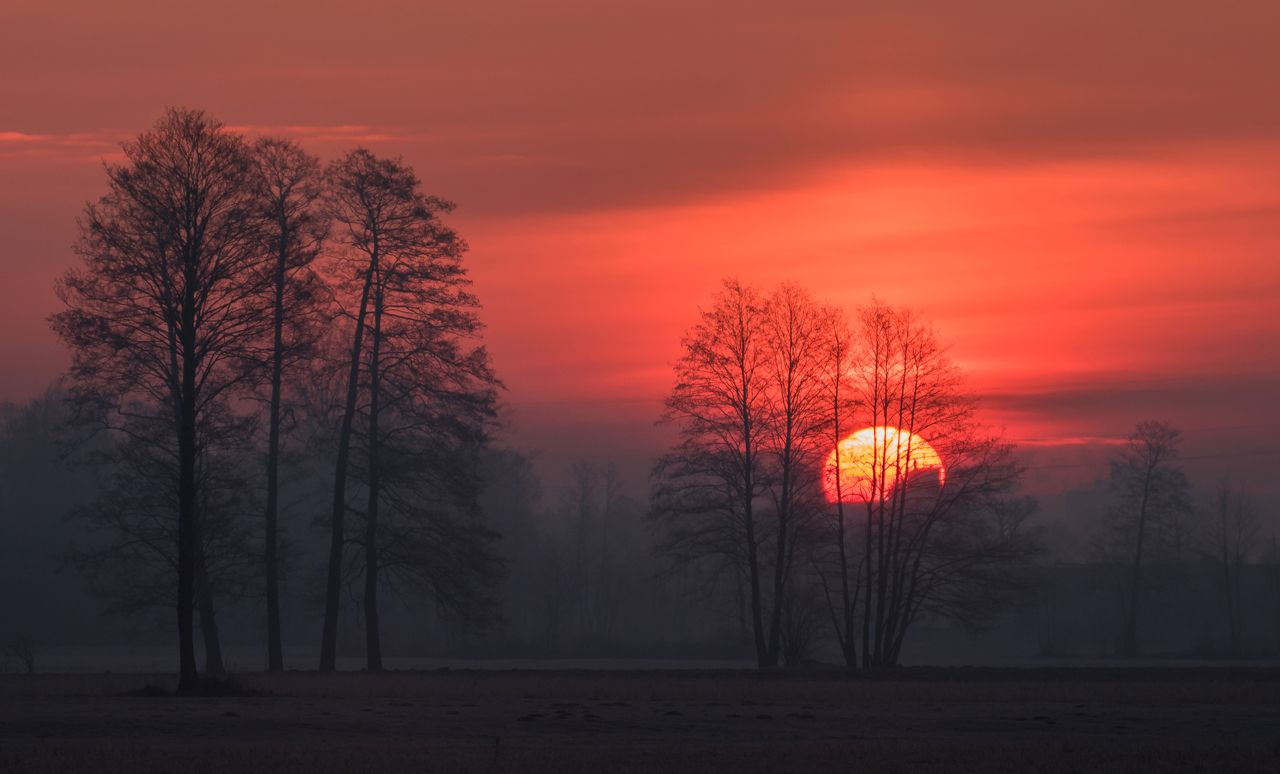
x: 914, y: 720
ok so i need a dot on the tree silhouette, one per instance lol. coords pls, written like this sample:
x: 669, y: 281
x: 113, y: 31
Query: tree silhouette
x: 795, y: 340
x: 429, y: 397
x: 766, y: 388
x: 706, y: 489
x: 1152, y: 495
x: 292, y: 232
x: 931, y: 546
x: 834, y: 379
x: 163, y: 314
x: 1229, y: 538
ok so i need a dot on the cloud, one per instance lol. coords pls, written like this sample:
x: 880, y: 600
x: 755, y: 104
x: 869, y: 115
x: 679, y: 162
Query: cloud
x: 99, y: 143
x: 1107, y: 405
x: 73, y: 146
x: 343, y: 133
x: 564, y: 106
x: 10, y: 138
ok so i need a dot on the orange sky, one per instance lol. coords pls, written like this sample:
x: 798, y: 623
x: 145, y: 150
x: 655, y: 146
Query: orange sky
x: 1086, y: 199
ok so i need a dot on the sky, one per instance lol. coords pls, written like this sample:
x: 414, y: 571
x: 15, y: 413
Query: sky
x: 1084, y: 197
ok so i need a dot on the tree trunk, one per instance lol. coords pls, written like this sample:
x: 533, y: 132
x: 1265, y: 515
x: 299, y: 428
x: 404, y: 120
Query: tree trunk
x: 188, y: 677
x: 1129, y: 642
x: 780, y: 555
x: 1231, y: 569
x: 868, y: 559
x: 742, y: 608
x: 866, y: 603
x: 208, y: 620
x: 883, y: 569
x: 373, y: 644
x: 848, y: 649
x: 275, y: 648
x: 333, y: 587
x: 753, y: 576
x: 748, y: 515
x: 847, y: 646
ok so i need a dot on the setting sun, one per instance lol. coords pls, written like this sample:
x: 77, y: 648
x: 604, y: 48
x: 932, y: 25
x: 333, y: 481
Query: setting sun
x: 872, y: 459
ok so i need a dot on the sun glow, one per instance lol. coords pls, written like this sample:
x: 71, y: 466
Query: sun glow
x: 869, y: 462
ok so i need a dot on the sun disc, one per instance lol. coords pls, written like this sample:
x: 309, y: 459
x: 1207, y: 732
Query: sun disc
x: 867, y: 464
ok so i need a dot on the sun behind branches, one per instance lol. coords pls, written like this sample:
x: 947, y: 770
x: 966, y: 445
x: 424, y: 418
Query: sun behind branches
x: 871, y: 460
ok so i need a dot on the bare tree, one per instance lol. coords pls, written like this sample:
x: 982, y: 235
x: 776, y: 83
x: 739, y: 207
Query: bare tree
x: 1230, y: 538
x: 706, y: 489
x: 765, y: 392
x: 596, y: 510
x: 796, y: 340
x: 943, y: 532
x: 369, y: 201
x: 292, y: 232
x: 616, y: 511
x: 163, y: 314
x: 1151, y: 496
x: 834, y: 379
x: 582, y: 503
x: 429, y: 396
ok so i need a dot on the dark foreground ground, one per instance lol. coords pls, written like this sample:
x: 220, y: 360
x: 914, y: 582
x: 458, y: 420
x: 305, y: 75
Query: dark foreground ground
x: 916, y: 721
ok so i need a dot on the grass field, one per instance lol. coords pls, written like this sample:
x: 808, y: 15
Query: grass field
x: 915, y: 720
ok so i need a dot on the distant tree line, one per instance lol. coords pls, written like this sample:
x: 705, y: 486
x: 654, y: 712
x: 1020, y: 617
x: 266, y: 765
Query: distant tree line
x: 579, y: 578
x: 1154, y: 530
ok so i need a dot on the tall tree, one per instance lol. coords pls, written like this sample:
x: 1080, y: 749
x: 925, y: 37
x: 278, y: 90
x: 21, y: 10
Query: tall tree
x: 596, y: 510
x: 292, y: 232
x: 584, y: 483
x: 707, y: 489
x: 614, y: 513
x: 164, y: 311
x: 368, y: 198
x: 1230, y: 538
x: 943, y: 530
x: 429, y: 396
x: 838, y: 397
x: 1151, y: 495
x: 795, y: 340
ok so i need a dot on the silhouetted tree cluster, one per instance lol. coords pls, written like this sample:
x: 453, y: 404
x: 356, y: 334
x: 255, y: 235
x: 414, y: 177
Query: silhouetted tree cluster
x: 582, y: 582
x: 767, y: 387
x: 1156, y: 530
x: 1147, y: 522
x: 424, y: 393
x: 588, y: 557
x: 224, y: 284
x: 942, y: 542
x: 1229, y: 537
